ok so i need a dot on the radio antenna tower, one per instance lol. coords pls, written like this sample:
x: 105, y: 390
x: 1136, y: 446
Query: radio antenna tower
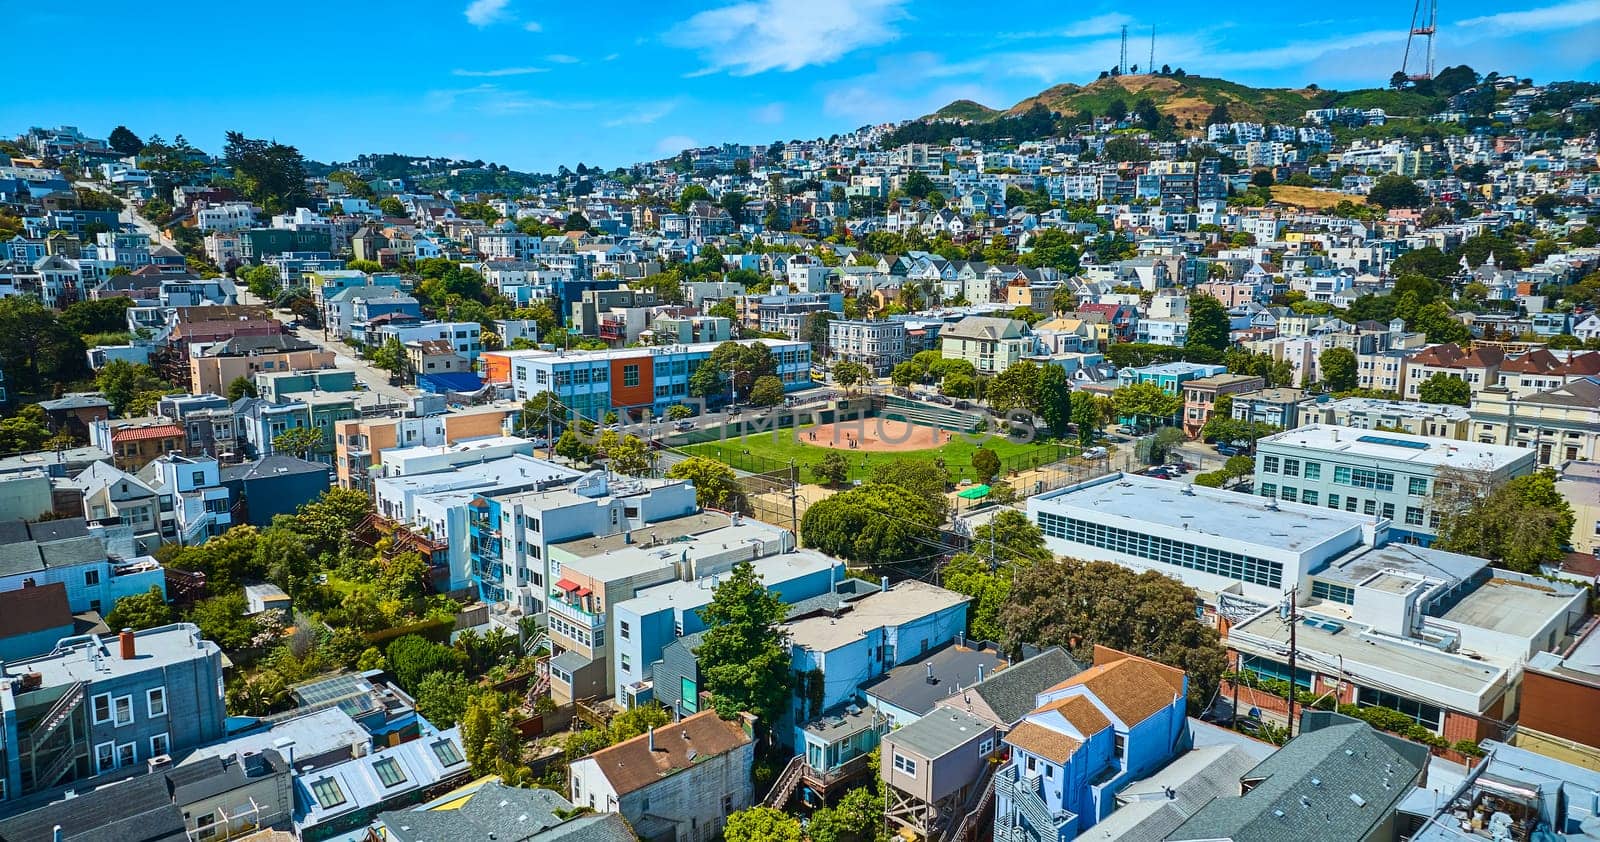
x: 1122, y: 66
x: 1151, y: 67
x: 1424, y: 22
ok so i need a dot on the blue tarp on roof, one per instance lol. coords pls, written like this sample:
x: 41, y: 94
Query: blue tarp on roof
x: 464, y: 381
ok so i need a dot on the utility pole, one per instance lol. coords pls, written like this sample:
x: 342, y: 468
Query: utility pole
x: 794, y: 501
x: 1292, y: 617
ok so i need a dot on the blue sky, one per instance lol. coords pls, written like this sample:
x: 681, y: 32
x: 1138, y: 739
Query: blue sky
x: 533, y: 85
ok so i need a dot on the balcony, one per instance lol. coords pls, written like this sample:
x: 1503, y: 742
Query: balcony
x: 578, y: 615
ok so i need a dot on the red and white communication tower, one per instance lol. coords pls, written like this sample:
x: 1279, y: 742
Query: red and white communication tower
x: 1424, y: 23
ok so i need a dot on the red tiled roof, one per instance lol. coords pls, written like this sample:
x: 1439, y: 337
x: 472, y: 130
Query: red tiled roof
x: 159, y: 431
x: 1537, y: 361
x: 1582, y: 365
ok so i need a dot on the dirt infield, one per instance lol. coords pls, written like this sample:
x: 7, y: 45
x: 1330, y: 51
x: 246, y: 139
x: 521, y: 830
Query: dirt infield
x: 876, y: 435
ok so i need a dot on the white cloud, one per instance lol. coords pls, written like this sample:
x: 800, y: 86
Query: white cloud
x: 493, y: 100
x: 484, y: 12
x: 760, y: 35
x: 768, y: 114
x: 644, y: 114
x: 675, y: 143
x: 533, y: 26
x: 562, y: 58
x: 498, y: 71
x: 1562, y: 16
x: 1097, y: 25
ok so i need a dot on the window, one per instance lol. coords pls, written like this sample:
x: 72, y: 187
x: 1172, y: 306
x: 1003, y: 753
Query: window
x: 630, y: 375
x: 160, y: 744
x: 1363, y: 478
x: 1313, y: 470
x: 1269, y: 464
x: 389, y: 772
x: 1268, y: 490
x: 91, y: 578
x: 1424, y: 714
x: 622, y: 629
x: 1265, y: 668
x: 124, y: 710
x: 105, y: 757
x: 127, y: 755
x: 1164, y: 550
x: 627, y: 663
x: 447, y: 753
x: 986, y: 747
x: 1369, y: 507
x: 905, y: 764
x: 101, y: 706
x: 1332, y: 592
x: 156, y: 702
x: 1291, y: 467
x: 1308, y: 497
x: 197, y: 478
x: 1413, y: 516
x: 1387, y: 511
x: 1350, y: 504
x: 328, y: 793
x: 1418, y: 486
x: 1333, y: 501
x: 1289, y: 493
x: 1120, y: 744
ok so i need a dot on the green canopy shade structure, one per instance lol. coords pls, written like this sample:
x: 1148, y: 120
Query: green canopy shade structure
x: 976, y: 492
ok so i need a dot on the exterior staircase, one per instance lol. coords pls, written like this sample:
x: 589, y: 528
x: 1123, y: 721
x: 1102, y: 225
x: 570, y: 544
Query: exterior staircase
x: 57, y: 715
x: 788, y: 781
x: 963, y: 830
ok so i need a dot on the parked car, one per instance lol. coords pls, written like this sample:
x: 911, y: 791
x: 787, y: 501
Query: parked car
x: 941, y: 399
x: 1096, y: 453
x: 1127, y: 430
x: 1158, y: 472
x: 685, y: 424
x: 1227, y: 449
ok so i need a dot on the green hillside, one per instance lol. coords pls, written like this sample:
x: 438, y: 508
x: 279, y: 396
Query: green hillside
x: 1189, y: 100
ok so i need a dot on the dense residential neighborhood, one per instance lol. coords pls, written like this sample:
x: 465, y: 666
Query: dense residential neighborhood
x: 1104, y: 468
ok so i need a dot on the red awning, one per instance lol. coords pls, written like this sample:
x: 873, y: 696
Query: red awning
x: 584, y: 592
x: 566, y: 585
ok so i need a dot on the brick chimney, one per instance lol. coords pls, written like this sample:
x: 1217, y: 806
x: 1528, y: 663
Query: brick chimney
x: 129, y: 650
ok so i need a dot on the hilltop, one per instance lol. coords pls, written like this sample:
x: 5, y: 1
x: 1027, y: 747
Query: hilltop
x: 1189, y: 100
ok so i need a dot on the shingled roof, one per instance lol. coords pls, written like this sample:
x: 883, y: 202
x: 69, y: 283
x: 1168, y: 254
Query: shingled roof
x: 632, y: 765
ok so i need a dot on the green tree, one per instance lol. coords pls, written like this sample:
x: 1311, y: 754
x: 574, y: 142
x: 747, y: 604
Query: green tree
x: 678, y: 412
x: 767, y: 391
x: 391, y: 206
x: 1146, y: 402
x: 299, y: 441
x: 1520, y: 524
x: 1156, y: 448
x: 140, y: 611
x: 743, y: 654
x: 1086, y: 415
x: 958, y: 385
x: 328, y: 522
x: 267, y: 172
x: 870, y: 524
x: 761, y: 824
x: 125, y: 141
x: 1001, y: 549
x: 907, y: 373
x: 121, y: 382
x: 834, y: 469
x: 544, y: 411
x: 632, y: 456
x: 715, y: 484
x: 926, y: 480
x: 442, y: 697
x: 412, y: 657
x: 1078, y: 605
x: 1208, y: 325
x: 391, y: 357
x: 489, y: 737
x: 986, y: 463
x: 1442, y: 388
x: 1396, y: 191
x: 228, y: 560
x: 1054, y: 399
x: 241, y: 387
x: 222, y: 620
x: 1439, y: 324
x: 1338, y: 369
x: 97, y: 315
x: 848, y: 373
x: 573, y: 447
x: 1015, y: 388
x: 25, y: 431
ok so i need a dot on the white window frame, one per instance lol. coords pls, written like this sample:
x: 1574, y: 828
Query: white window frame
x: 133, y: 751
x: 94, y: 703
x: 986, y: 747
x: 116, y: 707
x: 906, y: 765
x: 152, y: 697
x: 166, y: 744
x: 102, y: 768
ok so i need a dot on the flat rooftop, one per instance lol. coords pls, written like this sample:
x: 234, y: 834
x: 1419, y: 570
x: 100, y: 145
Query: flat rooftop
x: 101, y: 661
x: 513, y: 470
x: 1581, y: 662
x: 633, y: 559
x: 1365, y: 563
x: 557, y: 498
x: 1424, y: 452
x: 1400, y: 409
x: 687, y: 596
x: 1512, y: 606
x: 637, y: 353
x: 939, y: 732
x: 462, y: 446
x: 902, y: 603
x: 1356, y: 645
x: 652, y: 534
x: 1237, y: 518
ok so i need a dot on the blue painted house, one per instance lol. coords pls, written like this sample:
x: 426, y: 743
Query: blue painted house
x: 1091, y: 735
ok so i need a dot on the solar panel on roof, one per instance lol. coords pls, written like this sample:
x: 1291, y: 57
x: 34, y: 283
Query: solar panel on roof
x: 1414, y: 445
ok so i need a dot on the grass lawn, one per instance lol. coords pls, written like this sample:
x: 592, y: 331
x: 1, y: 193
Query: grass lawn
x: 767, y: 452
